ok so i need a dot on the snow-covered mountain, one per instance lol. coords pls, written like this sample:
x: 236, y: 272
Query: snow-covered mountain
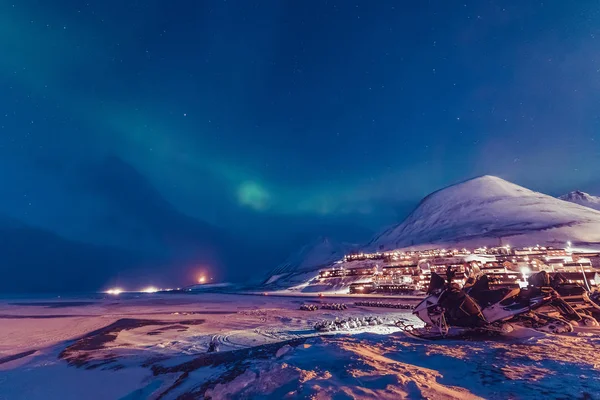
x: 307, y: 261
x: 483, y: 211
x: 321, y: 252
x: 488, y: 211
x: 583, y: 199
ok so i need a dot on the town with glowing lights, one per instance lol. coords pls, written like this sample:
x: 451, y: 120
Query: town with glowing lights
x: 409, y: 272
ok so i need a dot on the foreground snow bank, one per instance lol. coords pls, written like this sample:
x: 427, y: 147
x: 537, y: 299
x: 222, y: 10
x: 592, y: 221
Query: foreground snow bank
x: 394, y: 366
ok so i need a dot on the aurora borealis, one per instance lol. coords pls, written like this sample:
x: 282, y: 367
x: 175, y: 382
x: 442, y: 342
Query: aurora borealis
x: 277, y: 119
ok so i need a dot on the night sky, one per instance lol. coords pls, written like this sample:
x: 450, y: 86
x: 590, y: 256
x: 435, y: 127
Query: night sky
x: 277, y: 121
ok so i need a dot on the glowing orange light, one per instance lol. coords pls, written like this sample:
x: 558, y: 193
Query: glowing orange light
x: 202, y: 279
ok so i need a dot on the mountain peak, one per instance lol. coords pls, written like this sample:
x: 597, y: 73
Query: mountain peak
x: 481, y: 187
x: 486, y: 210
x: 486, y: 180
x: 582, y: 198
x: 489, y: 178
x: 576, y: 194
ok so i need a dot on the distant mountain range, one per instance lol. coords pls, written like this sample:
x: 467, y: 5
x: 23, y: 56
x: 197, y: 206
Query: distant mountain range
x: 145, y: 220
x: 583, y: 199
x: 136, y: 237
x: 486, y: 210
x: 154, y: 239
x: 35, y: 260
x: 105, y: 224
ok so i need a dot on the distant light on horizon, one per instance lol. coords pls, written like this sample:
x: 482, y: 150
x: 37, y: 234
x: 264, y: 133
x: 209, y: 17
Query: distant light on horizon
x: 150, y: 289
x: 114, y: 291
x: 202, y: 279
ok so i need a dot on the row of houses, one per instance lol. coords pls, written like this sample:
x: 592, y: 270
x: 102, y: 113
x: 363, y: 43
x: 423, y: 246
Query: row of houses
x: 340, y: 272
x: 403, y: 272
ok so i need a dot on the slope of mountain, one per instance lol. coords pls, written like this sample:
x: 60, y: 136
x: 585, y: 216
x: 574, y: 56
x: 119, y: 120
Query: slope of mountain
x: 307, y: 261
x: 583, y: 199
x: 115, y: 208
x: 35, y: 260
x: 322, y: 251
x: 143, y: 219
x: 138, y: 207
x: 488, y: 211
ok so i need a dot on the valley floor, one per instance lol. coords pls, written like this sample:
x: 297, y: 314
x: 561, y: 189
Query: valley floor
x: 155, y: 346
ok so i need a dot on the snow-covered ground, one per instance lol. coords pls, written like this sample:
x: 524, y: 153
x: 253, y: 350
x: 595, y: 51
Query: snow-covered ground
x: 154, y: 345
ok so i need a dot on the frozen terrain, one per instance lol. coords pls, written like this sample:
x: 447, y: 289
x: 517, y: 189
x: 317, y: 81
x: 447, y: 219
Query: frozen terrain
x: 491, y: 211
x: 583, y: 199
x: 155, y: 346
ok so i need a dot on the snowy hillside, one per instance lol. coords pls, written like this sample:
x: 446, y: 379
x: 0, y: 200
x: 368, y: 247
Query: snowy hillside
x: 307, y: 261
x: 583, y: 199
x: 321, y: 252
x: 488, y: 211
